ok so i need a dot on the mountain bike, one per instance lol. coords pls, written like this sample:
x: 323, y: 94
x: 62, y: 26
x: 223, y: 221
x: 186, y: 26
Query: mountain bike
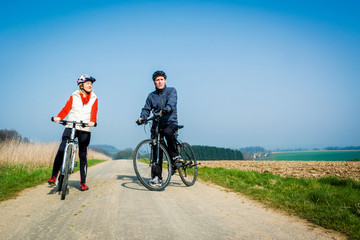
x: 69, y: 160
x: 151, y: 153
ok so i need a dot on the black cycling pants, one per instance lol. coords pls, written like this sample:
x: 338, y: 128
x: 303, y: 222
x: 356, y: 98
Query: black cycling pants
x: 84, y: 141
x: 167, y: 131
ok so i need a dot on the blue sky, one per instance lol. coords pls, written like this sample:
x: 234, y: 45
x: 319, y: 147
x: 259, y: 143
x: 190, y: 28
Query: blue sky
x: 277, y: 74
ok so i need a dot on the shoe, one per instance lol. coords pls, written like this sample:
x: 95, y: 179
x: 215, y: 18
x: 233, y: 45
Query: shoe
x: 52, y: 180
x: 178, y: 159
x: 84, y: 187
x: 156, y: 181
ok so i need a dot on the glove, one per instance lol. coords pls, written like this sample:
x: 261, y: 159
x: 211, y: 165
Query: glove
x: 140, y: 121
x: 164, y: 111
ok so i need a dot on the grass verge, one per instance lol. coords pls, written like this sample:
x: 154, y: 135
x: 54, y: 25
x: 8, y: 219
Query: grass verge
x: 15, y: 178
x: 329, y: 202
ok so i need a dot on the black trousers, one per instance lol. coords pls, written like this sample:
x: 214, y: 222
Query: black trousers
x: 167, y: 131
x: 84, y: 141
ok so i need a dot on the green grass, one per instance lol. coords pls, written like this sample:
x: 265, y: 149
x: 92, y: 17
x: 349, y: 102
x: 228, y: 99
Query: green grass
x: 329, y: 202
x: 343, y: 155
x: 15, y: 178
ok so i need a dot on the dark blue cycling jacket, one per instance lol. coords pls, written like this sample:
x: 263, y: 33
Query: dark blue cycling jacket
x: 161, y: 99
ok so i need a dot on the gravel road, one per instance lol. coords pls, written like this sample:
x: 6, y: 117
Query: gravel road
x: 118, y: 207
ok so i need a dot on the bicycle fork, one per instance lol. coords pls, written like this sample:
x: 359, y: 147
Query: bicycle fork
x: 73, y: 145
x: 155, y: 144
x: 73, y: 159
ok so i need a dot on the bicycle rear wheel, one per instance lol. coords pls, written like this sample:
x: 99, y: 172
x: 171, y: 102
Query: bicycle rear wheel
x: 145, y: 164
x: 187, y: 169
x: 66, y: 172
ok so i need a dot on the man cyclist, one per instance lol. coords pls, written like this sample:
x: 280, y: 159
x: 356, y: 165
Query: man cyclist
x: 162, y: 102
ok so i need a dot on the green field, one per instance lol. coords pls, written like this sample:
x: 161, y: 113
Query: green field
x: 15, y: 178
x: 320, y: 155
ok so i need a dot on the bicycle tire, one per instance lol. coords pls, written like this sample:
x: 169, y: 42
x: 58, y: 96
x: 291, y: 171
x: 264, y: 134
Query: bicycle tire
x: 66, y: 172
x: 187, y: 169
x: 60, y: 181
x: 143, y: 168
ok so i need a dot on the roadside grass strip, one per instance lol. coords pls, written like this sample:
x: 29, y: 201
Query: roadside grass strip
x: 17, y: 177
x: 329, y: 202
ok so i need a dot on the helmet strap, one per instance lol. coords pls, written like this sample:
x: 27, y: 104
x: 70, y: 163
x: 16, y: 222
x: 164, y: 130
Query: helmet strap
x: 81, y: 86
x: 82, y: 89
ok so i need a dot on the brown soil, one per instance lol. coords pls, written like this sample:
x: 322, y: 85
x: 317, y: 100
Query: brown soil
x: 312, y: 169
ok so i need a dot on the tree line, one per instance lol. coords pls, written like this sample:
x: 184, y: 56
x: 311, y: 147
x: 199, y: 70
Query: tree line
x: 343, y: 148
x: 201, y: 153
x: 11, y: 135
x: 216, y: 153
x: 124, y: 154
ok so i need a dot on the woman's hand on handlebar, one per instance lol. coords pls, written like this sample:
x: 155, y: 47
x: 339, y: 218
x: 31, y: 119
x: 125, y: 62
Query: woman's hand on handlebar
x: 56, y: 119
x: 91, y: 124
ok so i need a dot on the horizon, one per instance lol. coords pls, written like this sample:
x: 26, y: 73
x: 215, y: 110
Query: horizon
x: 356, y: 148
x: 340, y: 148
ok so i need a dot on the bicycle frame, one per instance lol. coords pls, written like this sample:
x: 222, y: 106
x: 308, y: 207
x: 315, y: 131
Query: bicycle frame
x: 67, y: 167
x: 157, y: 139
x: 184, y: 164
x: 71, y: 141
x: 156, y: 142
x: 153, y: 152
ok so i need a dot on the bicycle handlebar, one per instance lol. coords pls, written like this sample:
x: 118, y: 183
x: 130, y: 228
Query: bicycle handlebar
x: 64, y: 122
x: 145, y: 121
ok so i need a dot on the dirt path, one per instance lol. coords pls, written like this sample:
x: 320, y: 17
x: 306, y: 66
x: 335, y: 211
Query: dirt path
x: 117, y: 207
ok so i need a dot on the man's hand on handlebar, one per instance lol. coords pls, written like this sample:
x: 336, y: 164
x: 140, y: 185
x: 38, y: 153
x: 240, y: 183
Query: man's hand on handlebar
x: 140, y: 121
x: 164, y: 111
x: 91, y: 124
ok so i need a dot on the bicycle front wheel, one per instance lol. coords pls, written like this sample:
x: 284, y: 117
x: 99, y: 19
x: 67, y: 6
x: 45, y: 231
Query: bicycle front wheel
x: 146, y: 167
x: 66, y: 172
x: 188, y: 168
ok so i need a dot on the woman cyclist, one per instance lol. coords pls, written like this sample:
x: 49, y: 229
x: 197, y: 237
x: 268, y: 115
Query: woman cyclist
x: 81, y: 106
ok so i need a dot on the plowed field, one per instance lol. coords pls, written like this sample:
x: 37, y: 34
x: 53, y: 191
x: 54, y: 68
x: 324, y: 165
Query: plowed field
x: 298, y: 169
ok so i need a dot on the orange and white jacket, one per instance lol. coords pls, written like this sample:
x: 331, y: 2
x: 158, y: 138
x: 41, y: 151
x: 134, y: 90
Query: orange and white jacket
x: 80, y: 108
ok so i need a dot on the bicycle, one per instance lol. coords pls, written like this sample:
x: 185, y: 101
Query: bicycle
x: 69, y: 162
x: 152, y: 152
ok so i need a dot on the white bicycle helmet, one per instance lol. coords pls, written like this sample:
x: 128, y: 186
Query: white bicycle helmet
x: 84, y: 78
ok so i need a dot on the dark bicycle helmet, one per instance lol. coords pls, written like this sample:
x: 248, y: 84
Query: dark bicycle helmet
x: 158, y: 73
x: 84, y: 78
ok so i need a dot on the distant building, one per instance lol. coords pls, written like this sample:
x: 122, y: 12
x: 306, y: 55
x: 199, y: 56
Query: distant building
x: 261, y: 155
